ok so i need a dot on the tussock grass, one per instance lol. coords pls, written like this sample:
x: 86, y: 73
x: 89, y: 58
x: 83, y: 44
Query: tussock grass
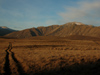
x: 3, y: 47
x: 57, y: 57
x: 52, y: 57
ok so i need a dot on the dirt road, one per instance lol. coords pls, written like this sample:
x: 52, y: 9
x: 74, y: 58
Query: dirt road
x: 12, y: 65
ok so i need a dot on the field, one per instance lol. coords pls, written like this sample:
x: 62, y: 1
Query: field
x: 49, y: 56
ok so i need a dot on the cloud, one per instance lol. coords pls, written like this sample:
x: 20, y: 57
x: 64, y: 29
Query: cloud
x: 86, y: 12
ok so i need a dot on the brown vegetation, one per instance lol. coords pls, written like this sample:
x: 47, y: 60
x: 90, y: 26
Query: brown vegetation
x: 49, y: 56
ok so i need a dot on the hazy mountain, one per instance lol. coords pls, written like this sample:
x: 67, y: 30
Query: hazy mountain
x: 71, y: 28
x: 5, y: 30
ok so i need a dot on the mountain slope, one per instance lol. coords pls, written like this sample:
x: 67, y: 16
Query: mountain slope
x: 40, y: 31
x: 25, y: 33
x: 71, y: 28
x: 4, y: 30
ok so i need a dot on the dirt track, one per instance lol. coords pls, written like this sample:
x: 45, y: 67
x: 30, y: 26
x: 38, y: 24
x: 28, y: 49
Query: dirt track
x: 41, y: 57
x: 17, y: 67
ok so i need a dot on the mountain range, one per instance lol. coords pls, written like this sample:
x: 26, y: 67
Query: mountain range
x: 5, y: 30
x: 68, y: 29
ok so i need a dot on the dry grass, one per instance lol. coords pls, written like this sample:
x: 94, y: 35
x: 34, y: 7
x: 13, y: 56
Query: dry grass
x: 45, y: 56
x: 3, y: 47
x: 54, y: 57
x: 41, y: 60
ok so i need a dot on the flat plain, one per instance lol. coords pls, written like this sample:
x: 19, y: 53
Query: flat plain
x: 48, y: 55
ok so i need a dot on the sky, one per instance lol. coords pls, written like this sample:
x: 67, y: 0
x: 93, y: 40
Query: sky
x: 23, y: 14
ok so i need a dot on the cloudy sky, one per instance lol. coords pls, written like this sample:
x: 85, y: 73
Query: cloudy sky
x: 22, y: 14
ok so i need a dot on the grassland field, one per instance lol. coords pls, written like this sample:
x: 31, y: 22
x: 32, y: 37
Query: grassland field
x: 45, y: 56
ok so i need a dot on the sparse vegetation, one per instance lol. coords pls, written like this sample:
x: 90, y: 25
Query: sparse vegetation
x: 68, y: 29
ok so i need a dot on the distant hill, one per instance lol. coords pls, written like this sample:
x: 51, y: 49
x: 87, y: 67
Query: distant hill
x: 24, y: 33
x: 68, y: 29
x: 5, y: 30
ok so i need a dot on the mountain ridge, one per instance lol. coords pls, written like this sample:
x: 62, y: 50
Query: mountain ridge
x: 71, y: 28
x: 5, y: 30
